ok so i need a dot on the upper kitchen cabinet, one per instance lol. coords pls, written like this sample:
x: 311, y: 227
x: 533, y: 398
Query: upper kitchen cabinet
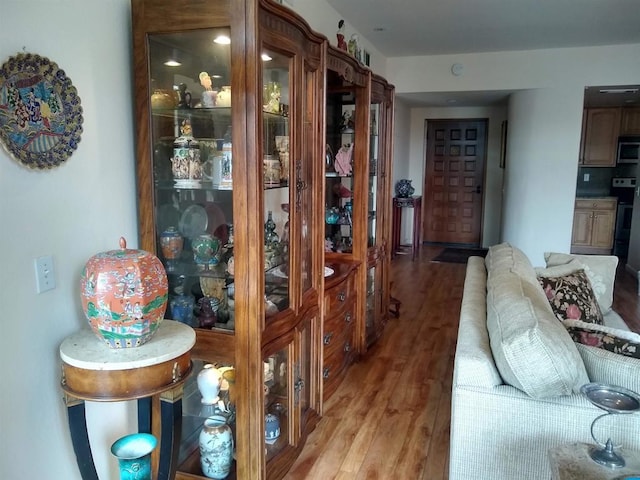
x: 630, y: 121
x: 229, y: 99
x: 601, y: 128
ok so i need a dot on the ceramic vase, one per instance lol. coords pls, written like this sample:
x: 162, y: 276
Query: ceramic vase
x: 216, y: 447
x: 271, y: 428
x: 171, y: 244
x: 181, y: 307
x: 205, y: 250
x: 134, y: 455
x: 404, y: 189
x: 208, y: 381
x: 124, y: 295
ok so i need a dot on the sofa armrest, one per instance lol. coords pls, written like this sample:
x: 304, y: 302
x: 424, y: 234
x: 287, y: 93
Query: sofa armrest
x: 473, y: 364
x: 610, y: 368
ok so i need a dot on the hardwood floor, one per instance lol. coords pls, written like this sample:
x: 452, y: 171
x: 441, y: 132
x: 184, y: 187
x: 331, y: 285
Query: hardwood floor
x: 390, y: 417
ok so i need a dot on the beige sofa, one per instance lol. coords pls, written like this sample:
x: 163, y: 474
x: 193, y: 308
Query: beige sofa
x: 517, y: 375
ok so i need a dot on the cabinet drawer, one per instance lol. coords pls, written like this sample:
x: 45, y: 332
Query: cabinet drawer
x: 596, y: 203
x: 337, y: 340
x: 341, y: 319
x: 334, y: 369
x: 338, y: 297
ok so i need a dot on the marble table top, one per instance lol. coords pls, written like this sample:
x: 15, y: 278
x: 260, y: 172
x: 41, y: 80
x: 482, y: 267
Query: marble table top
x: 572, y: 462
x: 85, y: 350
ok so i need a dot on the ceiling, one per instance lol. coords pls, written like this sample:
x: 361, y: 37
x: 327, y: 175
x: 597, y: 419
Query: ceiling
x: 438, y: 27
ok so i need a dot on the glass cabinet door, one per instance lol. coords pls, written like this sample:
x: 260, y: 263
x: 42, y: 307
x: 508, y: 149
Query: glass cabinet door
x: 192, y: 173
x: 277, y: 400
x: 372, y: 201
x: 340, y: 169
x: 278, y: 179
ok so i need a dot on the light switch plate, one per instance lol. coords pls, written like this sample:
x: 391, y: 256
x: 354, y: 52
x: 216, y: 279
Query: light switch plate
x: 45, y: 274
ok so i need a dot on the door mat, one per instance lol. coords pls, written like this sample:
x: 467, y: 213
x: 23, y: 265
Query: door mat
x: 458, y: 255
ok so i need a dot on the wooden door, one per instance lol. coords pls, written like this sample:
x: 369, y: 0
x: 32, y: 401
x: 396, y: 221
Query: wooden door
x: 453, y: 190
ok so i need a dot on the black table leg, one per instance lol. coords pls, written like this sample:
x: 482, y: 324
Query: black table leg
x: 80, y: 437
x: 171, y: 429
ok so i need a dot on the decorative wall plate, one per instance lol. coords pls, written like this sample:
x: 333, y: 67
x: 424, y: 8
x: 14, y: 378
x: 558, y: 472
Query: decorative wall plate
x: 40, y: 112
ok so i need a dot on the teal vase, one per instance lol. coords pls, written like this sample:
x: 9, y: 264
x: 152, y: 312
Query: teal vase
x: 134, y: 455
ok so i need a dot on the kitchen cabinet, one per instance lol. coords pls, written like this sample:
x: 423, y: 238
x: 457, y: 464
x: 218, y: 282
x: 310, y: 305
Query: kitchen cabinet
x: 229, y: 103
x: 630, y: 124
x: 600, y: 137
x: 593, y: 225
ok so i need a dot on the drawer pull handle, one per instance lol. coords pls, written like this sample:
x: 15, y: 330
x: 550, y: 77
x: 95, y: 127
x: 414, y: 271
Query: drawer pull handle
x: 347, y: 347
x: 325, y: 373
x: 327, y: 338
x: 342, y: 296
x: 347, y: 317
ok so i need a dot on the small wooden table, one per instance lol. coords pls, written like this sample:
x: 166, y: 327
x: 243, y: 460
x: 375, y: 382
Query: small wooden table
x: 152, y: 373
x: 398, y: 204
x: 572, y: 462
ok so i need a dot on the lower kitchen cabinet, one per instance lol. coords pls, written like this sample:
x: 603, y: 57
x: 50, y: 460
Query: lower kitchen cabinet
x: 593, y: 224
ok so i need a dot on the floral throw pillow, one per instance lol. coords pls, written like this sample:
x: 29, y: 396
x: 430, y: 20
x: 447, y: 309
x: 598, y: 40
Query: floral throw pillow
x: 610, y: 339
x: 571, y: 297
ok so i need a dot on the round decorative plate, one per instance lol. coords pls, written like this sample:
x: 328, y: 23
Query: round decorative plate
x: 40, y: 112
x: 194, y: 221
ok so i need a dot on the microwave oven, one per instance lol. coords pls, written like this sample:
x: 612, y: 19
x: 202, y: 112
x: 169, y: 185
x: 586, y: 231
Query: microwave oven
x: 628, y: 150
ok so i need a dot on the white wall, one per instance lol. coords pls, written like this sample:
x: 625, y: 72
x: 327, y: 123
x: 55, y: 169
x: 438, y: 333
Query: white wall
x: 543, y: 148
x: 70, y: 212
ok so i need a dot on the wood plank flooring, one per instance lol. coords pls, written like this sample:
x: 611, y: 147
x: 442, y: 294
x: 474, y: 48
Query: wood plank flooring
x: 390, y: 417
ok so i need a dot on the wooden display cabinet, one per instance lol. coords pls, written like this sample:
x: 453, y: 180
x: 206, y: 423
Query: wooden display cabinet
x: 359, y: 115
x: 229, y: 147
x: 380, y: 208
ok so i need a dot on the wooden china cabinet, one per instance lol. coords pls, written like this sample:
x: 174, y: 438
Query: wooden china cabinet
x: 229, y: 99
x: 359, y: 116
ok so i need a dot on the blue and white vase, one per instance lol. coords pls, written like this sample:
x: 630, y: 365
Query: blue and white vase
x: 271, y: 428
x: 216, y: 447
x: 404, y: 189
x: 134, y: 455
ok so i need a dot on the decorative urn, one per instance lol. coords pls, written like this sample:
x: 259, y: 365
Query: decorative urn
x: 404, y: 189
x: 124, y: 295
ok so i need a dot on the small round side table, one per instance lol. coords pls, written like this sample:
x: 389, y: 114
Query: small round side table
x: 153, y: 374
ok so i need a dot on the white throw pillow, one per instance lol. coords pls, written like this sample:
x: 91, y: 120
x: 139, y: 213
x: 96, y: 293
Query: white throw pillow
x: 600, y: 269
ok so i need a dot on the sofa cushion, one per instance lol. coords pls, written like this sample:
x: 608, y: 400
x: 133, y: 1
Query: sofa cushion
x: 601, y: 270
x: 505, y: 257
x: 570, y: 294
x: 613, y: 340
x: 531, y: 348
